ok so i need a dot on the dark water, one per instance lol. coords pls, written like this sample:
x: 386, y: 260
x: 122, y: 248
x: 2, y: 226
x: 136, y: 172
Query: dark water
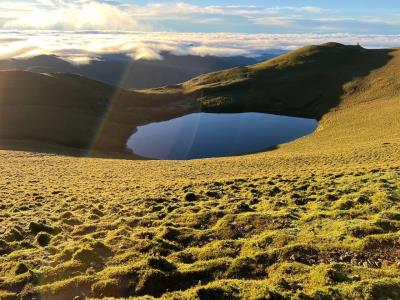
x: 201, y: 135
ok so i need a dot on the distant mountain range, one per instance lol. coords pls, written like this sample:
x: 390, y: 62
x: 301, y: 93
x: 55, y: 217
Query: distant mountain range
x: 121, y: 70
x: 72, y: 110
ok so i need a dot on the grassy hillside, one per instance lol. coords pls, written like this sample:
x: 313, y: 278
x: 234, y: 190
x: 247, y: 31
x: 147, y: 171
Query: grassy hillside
x: 317, y: 218
x: 86, y: 114
x: 307, y: 82
x: 124, y: 71
x: 74, y: 111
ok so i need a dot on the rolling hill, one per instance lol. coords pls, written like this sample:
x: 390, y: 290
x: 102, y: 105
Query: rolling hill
x: 73, y: 111
x: 123, y: 71
x: 308, y: 82
x: 317, y: 218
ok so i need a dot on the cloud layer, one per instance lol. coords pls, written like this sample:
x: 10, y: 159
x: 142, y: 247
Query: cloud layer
x: 71, y: 15
x: 95, y: 14
x: 82, y: 46
x: 182, y: 16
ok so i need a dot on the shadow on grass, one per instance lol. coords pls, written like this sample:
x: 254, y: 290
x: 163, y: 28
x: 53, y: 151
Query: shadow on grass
x: 306, y: 83
x: 66, y: 110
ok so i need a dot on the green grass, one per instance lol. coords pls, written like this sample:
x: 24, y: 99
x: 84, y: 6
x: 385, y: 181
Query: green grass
x: 317, y: 218
x: 155, y: 242
x: 86, y: 114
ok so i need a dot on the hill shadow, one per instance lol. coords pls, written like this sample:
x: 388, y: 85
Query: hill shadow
x: 306, y: 83
x: 57, y: 149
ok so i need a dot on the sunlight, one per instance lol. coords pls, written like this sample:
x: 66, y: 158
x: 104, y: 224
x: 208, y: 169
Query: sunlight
x: 195, y: 150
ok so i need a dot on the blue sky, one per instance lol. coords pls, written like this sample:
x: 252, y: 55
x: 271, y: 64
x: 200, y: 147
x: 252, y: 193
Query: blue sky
x: 269, y: 16
x: 355, y: 6
x: 352, y: 16
x: 80, y: 30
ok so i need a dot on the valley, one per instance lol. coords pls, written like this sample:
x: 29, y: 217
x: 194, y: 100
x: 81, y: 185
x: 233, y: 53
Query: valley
x: 316, y: 218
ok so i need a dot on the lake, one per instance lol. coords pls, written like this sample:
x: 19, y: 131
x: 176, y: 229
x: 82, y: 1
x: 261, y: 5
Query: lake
x: 202, y: 135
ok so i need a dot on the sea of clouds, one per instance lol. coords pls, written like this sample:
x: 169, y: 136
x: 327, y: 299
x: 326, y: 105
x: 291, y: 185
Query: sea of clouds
x: 83, y: 46
x: 83, y: 30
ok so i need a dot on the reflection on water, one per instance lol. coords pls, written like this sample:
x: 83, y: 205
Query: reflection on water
x: 201, y: 135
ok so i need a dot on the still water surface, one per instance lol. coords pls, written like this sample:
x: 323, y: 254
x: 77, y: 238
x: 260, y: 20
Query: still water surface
x: 201, y: 135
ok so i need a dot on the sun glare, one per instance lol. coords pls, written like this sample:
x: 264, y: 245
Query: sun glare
x: 199, y: 150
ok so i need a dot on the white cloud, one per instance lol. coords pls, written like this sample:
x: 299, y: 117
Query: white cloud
x: 275, y: 21
x: 97, y: 15
x: 83, y: 46
x: 310, y: 9
x: 74, y: 15
x: 181, y: 16
x: 15, y: 49
x: 251, y: 10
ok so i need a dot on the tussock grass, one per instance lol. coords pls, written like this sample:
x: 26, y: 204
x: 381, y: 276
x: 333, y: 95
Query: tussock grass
x: 317, y: 218
x: 203, y: 248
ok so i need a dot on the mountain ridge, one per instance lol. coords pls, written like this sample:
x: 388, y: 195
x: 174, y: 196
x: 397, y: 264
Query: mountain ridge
x: 309, y: 82
x: 123, y: 71
x: 316, y: 218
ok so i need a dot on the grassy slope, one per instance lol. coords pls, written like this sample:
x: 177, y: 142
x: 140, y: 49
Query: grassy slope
x: 317, y: 218
x: 307, y: 82
x: 83, y: 113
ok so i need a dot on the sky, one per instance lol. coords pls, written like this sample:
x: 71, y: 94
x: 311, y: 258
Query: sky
x: 29, y: 27
x: 268, y: 16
